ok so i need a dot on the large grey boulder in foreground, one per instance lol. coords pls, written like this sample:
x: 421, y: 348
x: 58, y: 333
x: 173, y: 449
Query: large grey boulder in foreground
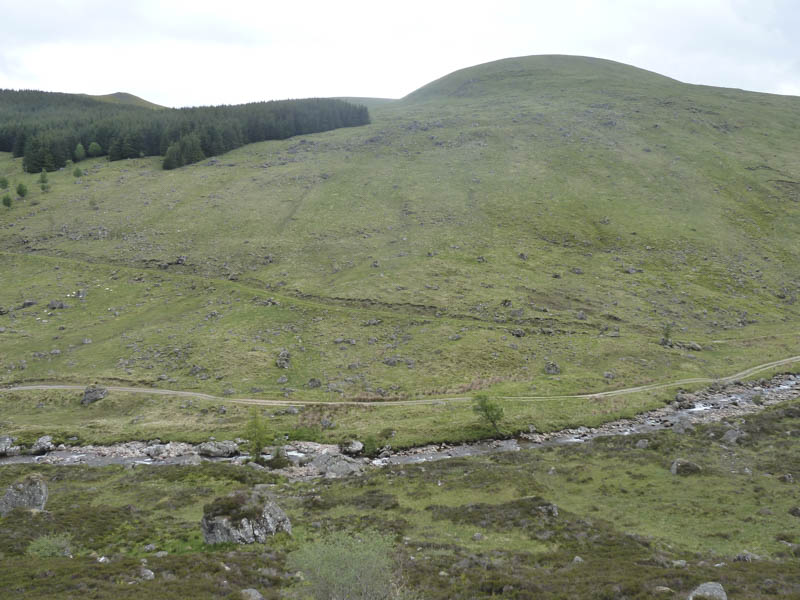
x: 708, y: 591
x: 243, y: 518
x: 30, y: 493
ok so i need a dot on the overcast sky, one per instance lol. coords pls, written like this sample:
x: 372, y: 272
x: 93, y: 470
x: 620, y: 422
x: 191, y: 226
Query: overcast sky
x: 179, y: 53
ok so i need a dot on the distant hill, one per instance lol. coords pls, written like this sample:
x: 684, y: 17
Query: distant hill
x: 124, y: 98
x: 535, y: 210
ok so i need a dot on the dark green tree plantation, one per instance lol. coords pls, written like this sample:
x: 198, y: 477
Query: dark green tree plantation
x: 48, y: 129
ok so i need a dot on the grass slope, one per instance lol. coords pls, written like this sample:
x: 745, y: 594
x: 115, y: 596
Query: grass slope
x: 529, y: 210
x: 125, y: 98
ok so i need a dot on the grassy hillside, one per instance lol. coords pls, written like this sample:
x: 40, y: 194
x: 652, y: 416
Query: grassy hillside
x: 530, y: 210
x: 125, y: 98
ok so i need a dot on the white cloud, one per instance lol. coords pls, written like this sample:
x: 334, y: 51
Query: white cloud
x: 202, y: 52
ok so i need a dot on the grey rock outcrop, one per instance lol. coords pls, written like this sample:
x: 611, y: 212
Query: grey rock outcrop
x: 92, y: 394
x: 43, y: 445
x: 224, y: 449
x: 251, y: 594
x: 709, y: 591
x: 30, y: 493
x: 243, y: 518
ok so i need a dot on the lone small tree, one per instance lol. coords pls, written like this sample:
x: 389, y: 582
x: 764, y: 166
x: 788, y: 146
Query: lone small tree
x: 257, y: 435
x: 22, y: 190
x: 3, y: 182
x: 77, y: 172
x: 7, y: 200
x: 80, y: 153
x: 490, y: 411
x: 95, y: 149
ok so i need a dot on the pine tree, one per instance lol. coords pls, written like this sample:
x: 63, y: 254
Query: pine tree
x: 79, y: 154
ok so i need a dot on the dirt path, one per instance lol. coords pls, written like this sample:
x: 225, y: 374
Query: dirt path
x: 258, y: 401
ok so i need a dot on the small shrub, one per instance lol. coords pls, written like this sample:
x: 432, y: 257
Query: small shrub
x: 490, y: 411
x: 279, y: 459
x: 3, y: 183
x: 22, y: 190
x: 7, y: 201
x: 345, y: 566
x: 77, y: 172
x: 371, y: 445
x: 49, y: 546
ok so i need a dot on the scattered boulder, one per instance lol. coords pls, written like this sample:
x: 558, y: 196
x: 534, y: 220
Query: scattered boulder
x: 746, y: 556
x: 518, y: 333
x: 92, y: 394
x: 284, y: 359
x: 224, y: 449
x: 684, y: 467
x: 146, y: 574
x: 314, y: 383
x: 30, y: 494
x: 581, y: 316
x: 552, y: 368
x: 251, y: 594
x: 353, y: 448
x: 43, y: 445
x: 643, y: 444
x: 731, y: 436
x: 7, y: 447
x: 333, y: 466
x: 708, y: 591
x: 795, y: 511
x: 243, y: 518
x: 683, y: 424
x: 786, y: 478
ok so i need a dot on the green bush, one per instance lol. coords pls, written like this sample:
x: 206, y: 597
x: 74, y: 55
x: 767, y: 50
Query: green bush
x: 22, y: 190
x: 3, y: 183
x: 7, y: 201
x: 49, y: 546
x: 95, y: 149
x: 344, y: 566
x: 77, y: 172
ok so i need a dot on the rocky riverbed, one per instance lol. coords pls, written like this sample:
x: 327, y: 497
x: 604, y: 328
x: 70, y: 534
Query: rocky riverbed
x: 309, y: 459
